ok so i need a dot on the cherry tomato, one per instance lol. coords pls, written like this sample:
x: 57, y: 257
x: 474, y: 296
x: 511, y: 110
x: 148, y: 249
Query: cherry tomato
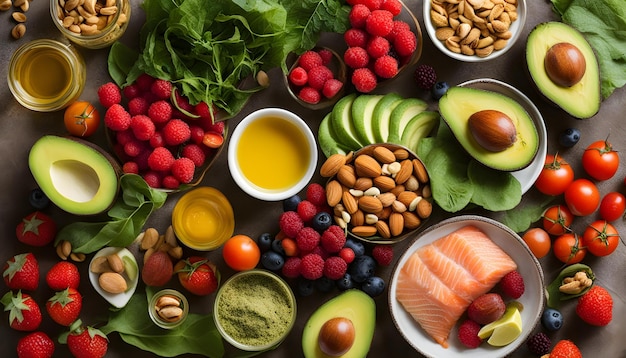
x: 568, y: 249
x: 538, y: 241
x: 81, y: 119
x: 557, y: 220
x: 213, y: 139
x: 600, y: 161
x: 582, y: 197
x: 612, y: 206
x: 600, y: 238
x: 555, y: 176
x: 241, y: 253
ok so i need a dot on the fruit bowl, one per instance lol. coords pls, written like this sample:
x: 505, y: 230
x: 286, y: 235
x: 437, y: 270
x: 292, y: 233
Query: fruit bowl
x: 468, y: 43
x: 533, y: 299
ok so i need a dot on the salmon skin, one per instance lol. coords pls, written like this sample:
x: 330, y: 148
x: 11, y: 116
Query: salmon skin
x: 439, y: 280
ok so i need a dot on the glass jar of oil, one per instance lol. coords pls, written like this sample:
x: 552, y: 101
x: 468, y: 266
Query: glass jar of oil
x: 46, y: 75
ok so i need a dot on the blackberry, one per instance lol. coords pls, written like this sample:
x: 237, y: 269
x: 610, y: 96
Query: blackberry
x: 425, y: 76
x: 539, y: 344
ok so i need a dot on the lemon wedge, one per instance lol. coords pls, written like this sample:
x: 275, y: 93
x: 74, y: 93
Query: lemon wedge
x: 504, y: 330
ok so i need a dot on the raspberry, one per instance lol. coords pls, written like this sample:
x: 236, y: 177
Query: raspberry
x: 170, y: 182
x: 133, y: 147
x: 306, y: 210
x: 307, y: 239
x: 468, y: 334
x: 142, y: 126
x: 405, y: 43
x: 109, y: 94
x: 512, y: 284
x: 364, y: 80
x: 333, y: 239
x: 153, y: 179
x: 138, y: 105
x: 539, y: 344
x: 355, y: 37
x: 356, y: 57
x: 393, y: 6
x: 130, y: 168
x: 203, y: 110
x: 372, y: 4
x: 316, y: 194
x: 379, y: 23
x: 347, y: 254
x: 319, y: 250
x: 197, y: 134
x: 298, y: 76
x: 131, y: 91
x: 142, y: 159
x: 331, y: 88
x: 117, y: 118
x: 312, y: 266
x: 183, y: 170
x: 144, y: 82
x: 326, y: 56
x: 291, y: 268
x: 123, y: 137
x: 383, y: 254
x: 290, y: 223
x: 195, y: 153
x: 309, y: 60
x: 358, y: 16
x: 310, y: 95
x: 398, y: 26
x: 161, y: 159
x: 425, y: 76
x: 318, y: 76
x: 335, y: 267
x: 157, y: 140
x: 182, y: 102
x: 176, y: 132
x: 217, y: 127
x: 377, y: 46
x: 160, y: 111
x: 386, y: 67
x: 162, y: 89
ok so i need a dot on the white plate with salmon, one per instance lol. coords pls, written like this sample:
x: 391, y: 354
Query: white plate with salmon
x: 445, y: 268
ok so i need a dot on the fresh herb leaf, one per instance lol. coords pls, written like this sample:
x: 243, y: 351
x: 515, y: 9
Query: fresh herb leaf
x: 521, y: 218
x: 120, y: 61
x: 493, y: 189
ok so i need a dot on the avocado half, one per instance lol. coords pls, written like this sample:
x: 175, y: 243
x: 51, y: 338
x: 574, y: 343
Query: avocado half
x: 352, y: 304
x: 581, y: 100
x: 75, y: 175
x: 459, y: 103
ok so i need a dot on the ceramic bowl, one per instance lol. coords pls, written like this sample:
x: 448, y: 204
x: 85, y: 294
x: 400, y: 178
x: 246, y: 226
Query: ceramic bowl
x: 533, y: 299
x: 450, y: 38
x: 130, y: 274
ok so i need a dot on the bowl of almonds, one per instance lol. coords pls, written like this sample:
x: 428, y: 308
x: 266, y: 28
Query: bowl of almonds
x: 474, y: 30
x: 380, y: 193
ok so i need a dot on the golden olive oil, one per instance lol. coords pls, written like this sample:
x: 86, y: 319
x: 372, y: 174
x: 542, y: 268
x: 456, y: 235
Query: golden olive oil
x: 44, y: 73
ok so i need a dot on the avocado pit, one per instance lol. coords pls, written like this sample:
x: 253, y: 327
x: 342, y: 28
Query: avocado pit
x: 565, y: 64
x: 493, y: 130
x: 336, y: 336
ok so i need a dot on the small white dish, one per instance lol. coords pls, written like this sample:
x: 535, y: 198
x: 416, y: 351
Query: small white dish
x: 121, y: 299
x: 533, y: 298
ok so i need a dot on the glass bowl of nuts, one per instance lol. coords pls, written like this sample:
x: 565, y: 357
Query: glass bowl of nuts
x: 474, y: 30
x: 380, y: 193
x: 91, y: 23
x: 168, y: 308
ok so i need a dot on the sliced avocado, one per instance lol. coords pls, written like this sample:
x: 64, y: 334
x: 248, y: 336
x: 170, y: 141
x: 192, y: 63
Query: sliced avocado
x: 580, y: 100
x: 327, y: 139
x: 352, y: 304
x: 402, y: 115
x: 382, y: 116
x: 362, y: 110
x: 341, y: 122
x: 77, y: 176
x: 419, y: 127
x: 459, y: 103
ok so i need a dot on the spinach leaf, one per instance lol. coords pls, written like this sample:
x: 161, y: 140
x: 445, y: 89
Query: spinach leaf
x: 493, y: 189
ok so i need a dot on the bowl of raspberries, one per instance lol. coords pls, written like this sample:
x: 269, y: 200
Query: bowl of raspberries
x: 155, y: 132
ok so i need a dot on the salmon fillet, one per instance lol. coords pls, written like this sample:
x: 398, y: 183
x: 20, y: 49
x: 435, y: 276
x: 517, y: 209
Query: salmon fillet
x: 438, y: 281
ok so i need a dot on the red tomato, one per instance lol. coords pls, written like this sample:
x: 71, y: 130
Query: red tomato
x: 600, y: 161
x: 557, y: 220
x: 241, y: 253
x: 81, y: 119
x: 568, y: 249
x: 555, y: 176
x: 582, y: 197
x: 538, y: 241
x: 600, y: 238
x: 212, y: 139
x: 612, y: 206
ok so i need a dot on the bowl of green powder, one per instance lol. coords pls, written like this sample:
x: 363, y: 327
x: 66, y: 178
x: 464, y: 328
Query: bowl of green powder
x: 255, y: 310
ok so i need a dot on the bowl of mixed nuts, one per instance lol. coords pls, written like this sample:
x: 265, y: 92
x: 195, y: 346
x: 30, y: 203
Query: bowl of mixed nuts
x: 380, y: 193
x: 474, y: 30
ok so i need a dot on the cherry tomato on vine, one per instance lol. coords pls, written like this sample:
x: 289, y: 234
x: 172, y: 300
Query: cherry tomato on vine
x: 538, y: 241
x: 600, y: 161
x: 555, y: 176
x: 241, y: 253
x: 81, y: 119
x: 612, y: 206
x: 600, y: 238
x: 582, y: 197
x: 568, y: 249
x: 557, y: 220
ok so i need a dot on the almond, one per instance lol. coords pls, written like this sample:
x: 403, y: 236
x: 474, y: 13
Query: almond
x: 358, y: 218
x: 384, y: 214
x: 346, y: 175
x: 149, y: 239
x: 411, y: 221
x: 401, y: 154
x: 158, y: 269
x: 406, y: 197
x: 349, y: 202
x: 115, y: 262
x: 405, y: 172
x: 384, y: 155
x: 370, y: 204
x: 383, y: 229
x: 333, y: 192
x: 364, y: 230
x: 384, y: 183
x: 420, y: 171
x: 112, y: 282
x: 367, y: 166
x: 424, y: 209
x: 396, y: 224
x: 398, y: 206
x: 363, y: 184
x: 387, y: 199
x: 170, y: 237
x: 398, y: 189
x: 175, y: 252
x: 332, y: 165
x: 100, y: 264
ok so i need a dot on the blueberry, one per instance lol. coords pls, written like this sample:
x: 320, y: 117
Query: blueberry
x: 324, y: 284
x: 265, y: 241
x: 362, y: 268
x: 569, y: 137
x: 291, y: 203
x: 373, y: 286
x: 278, y: 247
x: 272, y: 260
x: 551, y: 319
x: 38, y: 199
x: 356, y: 246
x: 439, y: 89
x: 306, y: 287
x: 346, y: 282
x: 321, y: 221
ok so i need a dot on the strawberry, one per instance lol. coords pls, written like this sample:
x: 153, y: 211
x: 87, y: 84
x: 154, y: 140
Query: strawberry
x: 596, y: 306
x: 565, y: 349
x: 87, y: 342
x: 62, y: 275
x: 64, y: 307
x: 24, y: 313
x: 35, y: 345
x: 21, y: 272
x: 196, y: 275
x: 36, y: 229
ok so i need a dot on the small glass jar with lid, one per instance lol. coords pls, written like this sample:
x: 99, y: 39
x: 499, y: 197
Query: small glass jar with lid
x: 168, y: 308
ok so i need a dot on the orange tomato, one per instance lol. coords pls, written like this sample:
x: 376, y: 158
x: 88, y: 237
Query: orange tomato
x: 241, y: 253
x: 81, y: 119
